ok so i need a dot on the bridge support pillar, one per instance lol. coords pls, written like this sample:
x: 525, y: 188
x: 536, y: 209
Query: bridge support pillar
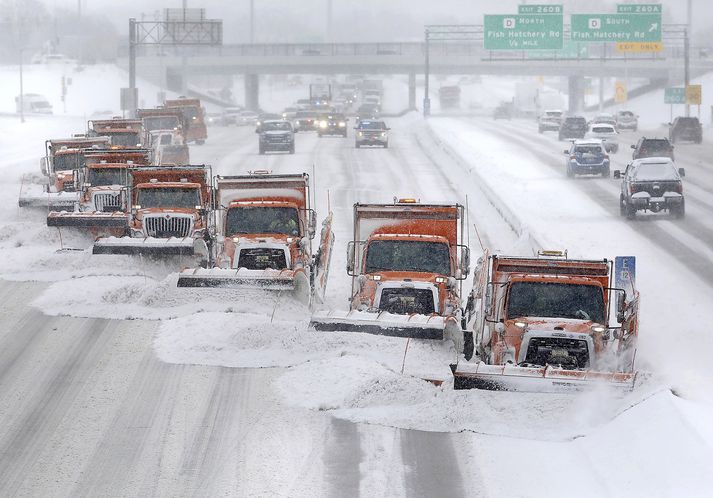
x: 252, y: 92
x: 412, y: 91
x: 576, y: 93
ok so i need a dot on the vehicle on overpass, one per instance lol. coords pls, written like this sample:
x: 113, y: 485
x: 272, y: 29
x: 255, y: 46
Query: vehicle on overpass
x: 587, y: 157
x: 572, y: 127
x: 276, y: 135
x: 627, y: 120
x: 407, y: 261
x: 651, y: 184
x: 652, y: 147
x: 685, y: 128
x: 550, y: 120
x: 607, y: 134
x: 370, y: 132
x: 543, y: 324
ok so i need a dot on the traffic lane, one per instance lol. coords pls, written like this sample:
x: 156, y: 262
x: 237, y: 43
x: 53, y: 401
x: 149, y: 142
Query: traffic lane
x: 654, y: 229
x: 431, y: 460
x: 698, y: 201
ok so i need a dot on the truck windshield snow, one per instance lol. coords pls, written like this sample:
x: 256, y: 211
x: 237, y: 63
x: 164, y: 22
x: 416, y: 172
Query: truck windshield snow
x: 65, y: 162
x: 169, y: 197
x: 406, y: 255
x: 550, y: 300
x: 276, y: 126
x: 282, y: 220
x: 161, y: 123
x: 106, y: 177
x: 127, y: 139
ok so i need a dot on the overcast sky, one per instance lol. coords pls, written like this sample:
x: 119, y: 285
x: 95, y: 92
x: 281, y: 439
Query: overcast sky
x: 374, y: 19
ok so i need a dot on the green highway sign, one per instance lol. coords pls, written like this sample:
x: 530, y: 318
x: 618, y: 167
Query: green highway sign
x: 638, y: 8
x: 615, y: 27
x: 539, y: 9
x: 674, y: 95
x: 523, y: 32
x: 569, y: 50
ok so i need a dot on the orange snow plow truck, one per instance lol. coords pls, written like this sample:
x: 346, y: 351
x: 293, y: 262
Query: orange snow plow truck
x: 264, y: 229
x: 62, y: 158
x: 101, y: 186
x: 168, y: 215
x: 122, y: 132
x: 407, y: 262
x: 543, y: 324
x: 194, y: 129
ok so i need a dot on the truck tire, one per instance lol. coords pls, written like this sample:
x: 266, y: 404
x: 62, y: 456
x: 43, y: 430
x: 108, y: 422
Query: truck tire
x: 606, y: 173
x: 386, y: 145
x: 622, y: 206
x: 468, y: 345
x: 570, y: 173
x: 292, y: 149
x: 630, y: 212
x: 679, y: 212
x: 261, y: 151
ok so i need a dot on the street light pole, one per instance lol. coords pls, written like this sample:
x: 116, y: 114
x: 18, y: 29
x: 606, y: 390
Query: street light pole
x: 252, y: 21
x: 22, y: 91
x: 329, y: 20
x: 686, y: 67
x: 426, y: 98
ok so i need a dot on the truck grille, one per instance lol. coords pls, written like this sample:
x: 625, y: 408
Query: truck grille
x: 405, y: 301
x: 107, y: 202
x: 567, y: 353
x: 166, y: 226
x: 261, y: 258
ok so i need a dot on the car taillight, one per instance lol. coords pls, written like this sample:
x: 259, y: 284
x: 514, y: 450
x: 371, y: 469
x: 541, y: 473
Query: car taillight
x: 632, y: 188
x: 573, y: 157
x: 606, y: 156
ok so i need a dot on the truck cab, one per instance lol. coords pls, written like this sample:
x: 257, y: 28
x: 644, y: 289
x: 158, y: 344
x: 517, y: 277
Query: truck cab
x: 193, y: 122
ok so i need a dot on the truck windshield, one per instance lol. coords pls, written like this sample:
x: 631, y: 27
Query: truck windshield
x: 169, y: 197
x: 250, y: 219
x: 66, y: 162
x: 276, y: 126
x: 128, y: 139
x: 190, y: 112
x: 406, y: 255
x: 551, y: 300
x: 106, y: 177
x: 161, y: 123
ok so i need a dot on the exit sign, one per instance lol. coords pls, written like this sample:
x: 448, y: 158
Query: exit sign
x: 638, y: 8
x: 539, y: 9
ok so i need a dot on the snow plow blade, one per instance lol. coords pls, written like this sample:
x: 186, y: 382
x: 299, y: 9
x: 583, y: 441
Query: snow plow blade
x: 412, y: 326
x: 87, y: 220
x: 533, y: 379
x: 276, y: 280
x: 146, y: 247
x: 31, y: 197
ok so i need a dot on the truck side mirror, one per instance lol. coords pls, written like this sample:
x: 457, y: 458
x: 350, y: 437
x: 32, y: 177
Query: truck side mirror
x: 488, y: 299
x: 682, y: 171
x: 312, y: 224
x: 43, y: 166
x: 617, y: 173
x: 565, y: 152
x: 350, y: 258
x: 465, y: 262
x: 633, y: 146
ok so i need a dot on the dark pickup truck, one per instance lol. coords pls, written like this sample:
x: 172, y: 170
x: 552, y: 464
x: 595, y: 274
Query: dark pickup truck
x: 651, y: 184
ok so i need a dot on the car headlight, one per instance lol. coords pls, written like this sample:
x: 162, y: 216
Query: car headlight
x: 342, y: 124
x: 322, y: 124
x: 383, y: 133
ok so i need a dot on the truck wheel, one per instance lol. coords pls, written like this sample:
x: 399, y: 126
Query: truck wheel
x: 468, y: 345
x: 679, y: 211
x: 622, y: 206
x: 570, y: 173
x: 606, y: 173
x: 261, y: 151
x: 386, y: 145
x: 630, y: 212
x: 292, y: 149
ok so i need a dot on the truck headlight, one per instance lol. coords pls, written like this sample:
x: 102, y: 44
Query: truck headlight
x: 383, y: 133
x: 342, y: 124
x: 322, y: 124
x: 361, y: 133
